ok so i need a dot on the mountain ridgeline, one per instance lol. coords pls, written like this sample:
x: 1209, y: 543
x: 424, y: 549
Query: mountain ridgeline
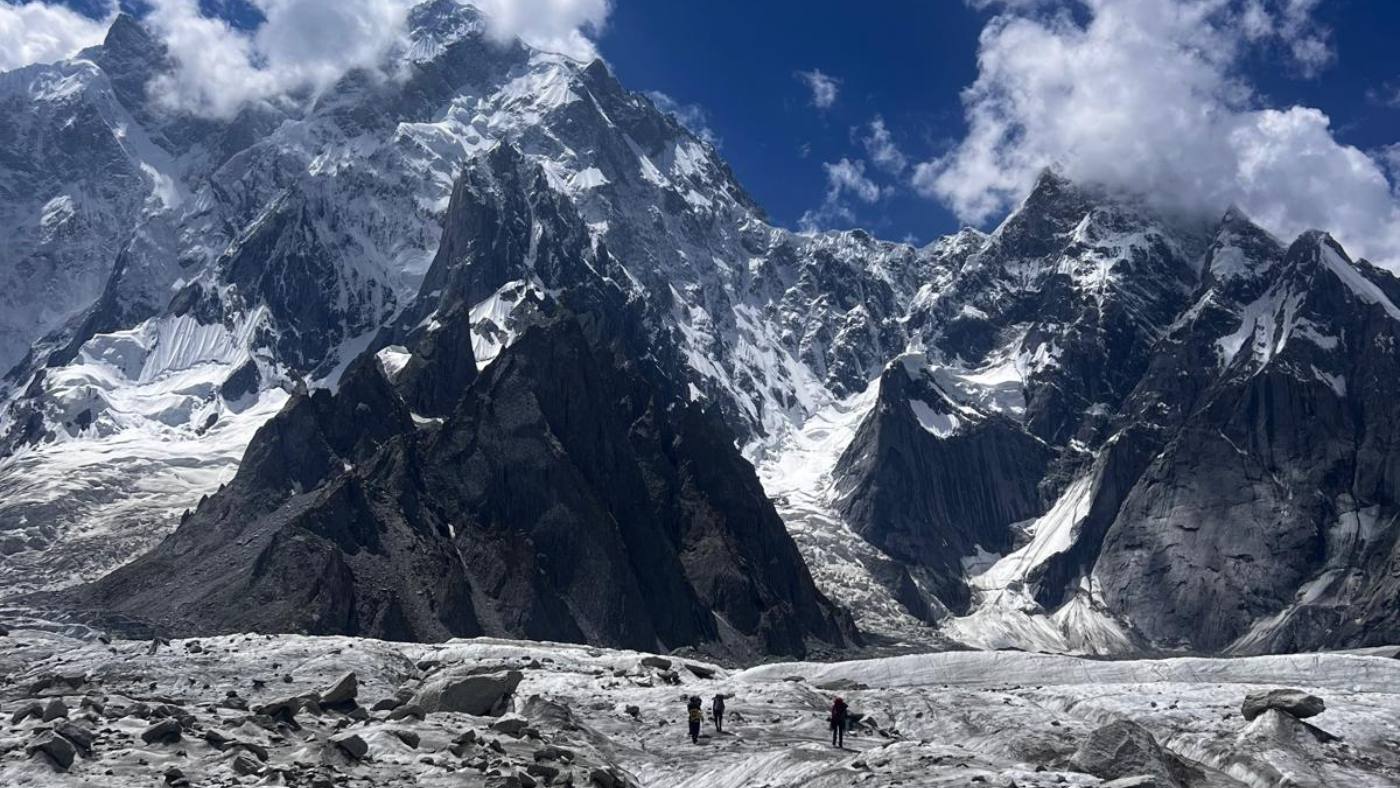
x: 498, y: 347
x: 568, y: 492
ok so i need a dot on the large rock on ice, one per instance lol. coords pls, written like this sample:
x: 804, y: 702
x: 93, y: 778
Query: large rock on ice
x: 1294, y: 702
x: 57, y: 749
x: 481, y: 694
x: 343, y: 692
x: 1125, y: 749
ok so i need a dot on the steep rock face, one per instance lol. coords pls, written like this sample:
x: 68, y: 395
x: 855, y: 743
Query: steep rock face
x: 930, y: 481
x: 290, y: 234
x: 562, y: 499
x: 569, y: 492
x: 1271, y: 504
x: 1067, y: 297
x: 1031, y: 340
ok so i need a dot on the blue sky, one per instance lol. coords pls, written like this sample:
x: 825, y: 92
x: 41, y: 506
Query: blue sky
x: 1289, y: 109
x: 906, y: 61
x: 739, y: 61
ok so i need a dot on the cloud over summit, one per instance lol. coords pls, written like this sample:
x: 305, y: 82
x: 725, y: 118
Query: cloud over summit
x: 1149, y: 96
x: 300, y: 44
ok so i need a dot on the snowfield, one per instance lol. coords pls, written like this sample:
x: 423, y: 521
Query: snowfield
x: 944, y: 719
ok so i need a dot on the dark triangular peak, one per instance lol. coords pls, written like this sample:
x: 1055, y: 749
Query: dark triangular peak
x: 128, y: 37
x: 1241, y: 258
x: 1316, y: 260
x: 931, y: 481
x: 1053, y: 208
x: 560, y: 496
x: 498, y: 203
x: 130, y: 56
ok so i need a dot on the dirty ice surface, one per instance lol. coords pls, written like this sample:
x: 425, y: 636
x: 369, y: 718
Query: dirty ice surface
x: 945, y: 719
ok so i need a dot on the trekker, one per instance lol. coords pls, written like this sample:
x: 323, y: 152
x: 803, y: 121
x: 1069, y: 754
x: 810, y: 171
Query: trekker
x: 696, y: 714
x: 717, y: 707
x: 838, y: 723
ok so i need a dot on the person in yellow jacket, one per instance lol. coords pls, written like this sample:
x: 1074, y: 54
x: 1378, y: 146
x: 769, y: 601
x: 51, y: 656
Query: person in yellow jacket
x: 696, y: 715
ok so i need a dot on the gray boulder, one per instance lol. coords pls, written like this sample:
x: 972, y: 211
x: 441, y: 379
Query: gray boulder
x: 1293, y: 702
x: 27, y: 710
x: 55, y: 709
x: 484, y: 694
x: 1125, y: 749
x: 246, y: 765
x: 343, y: 692
x: 351, y: 744
x: 81, y: 738
x: 510, y: 726
x: 167, y: 731
x: 406, y: 711
x: 57, y: 749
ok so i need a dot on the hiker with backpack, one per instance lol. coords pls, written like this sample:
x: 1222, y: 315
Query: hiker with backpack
x: 839, y: 716
x: 696, y: 715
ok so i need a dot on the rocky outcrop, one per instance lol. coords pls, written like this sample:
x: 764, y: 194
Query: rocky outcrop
x: 1295, y: 703
x: 1286, y: 400
x: 568, y: 492
x: 468, y: 691
x: 1124, y: 749
x: 929, y: 480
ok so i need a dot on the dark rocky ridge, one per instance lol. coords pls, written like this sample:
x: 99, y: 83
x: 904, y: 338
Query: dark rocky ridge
x: 1248, y: 501
x: 928, y: 499
x: 567, y: 493
x: 562, y: 499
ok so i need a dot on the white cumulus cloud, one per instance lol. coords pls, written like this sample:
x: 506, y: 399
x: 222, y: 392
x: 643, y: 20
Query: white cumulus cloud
x: 300, y: 45
x: 1150, y: 96
x: 844, y: 178
x: 45, y: 32
x: 562, y: 26
x: 824, y: 88
x: 880, y: 146
x: 303, y: 44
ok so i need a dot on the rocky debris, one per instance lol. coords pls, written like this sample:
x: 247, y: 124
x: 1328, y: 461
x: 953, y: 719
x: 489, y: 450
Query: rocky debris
x: 81, y: 737
x: 463, y: 743
x: 511, y: 726
x: 407, y: 711
x: 480, y: 694
x: 551, y: 752
x: 700, y: 671
x: 1125, y: 749
x: 284, y: 710
x: 1282, y: 727
x: 27, y: 710
x: 167, y: 731
x: 652, y: 661
x: 408, y: 737
x: 351, y: 744
x: 1295, y: 703
x: 606, y: 778
x: 388, y: 704
x: 58, y: 749
x: 1140, y: 781
x: 342, y: 693
x: 246, y: 765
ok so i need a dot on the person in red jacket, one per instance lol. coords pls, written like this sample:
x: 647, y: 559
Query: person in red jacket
x: 838, y: 723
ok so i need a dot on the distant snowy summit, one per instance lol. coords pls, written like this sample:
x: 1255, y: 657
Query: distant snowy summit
x: 499, y: 321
